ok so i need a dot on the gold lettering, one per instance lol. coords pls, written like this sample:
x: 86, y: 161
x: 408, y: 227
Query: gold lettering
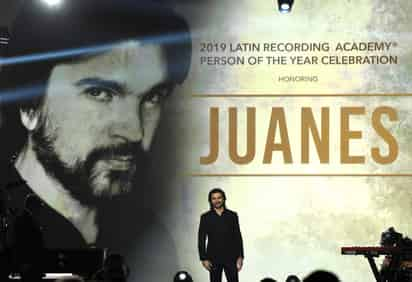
x: 250, y: 140
x: 347, y: 134
x: 321, y: 143
x: 385, y: 134
x: 213, y: 137
x: 277, y: 117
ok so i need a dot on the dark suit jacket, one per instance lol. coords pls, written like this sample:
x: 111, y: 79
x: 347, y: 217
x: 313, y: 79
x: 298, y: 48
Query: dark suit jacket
x: 224, y: 240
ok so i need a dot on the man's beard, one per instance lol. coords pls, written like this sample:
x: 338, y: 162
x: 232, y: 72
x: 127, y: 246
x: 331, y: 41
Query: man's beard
x: 218, y: 205
x: 92, y: 182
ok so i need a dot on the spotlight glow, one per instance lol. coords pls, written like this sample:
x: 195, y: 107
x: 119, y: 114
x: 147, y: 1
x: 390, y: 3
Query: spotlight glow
x: 53, y: 2
x: 182, y: 276
x: 285, y: 7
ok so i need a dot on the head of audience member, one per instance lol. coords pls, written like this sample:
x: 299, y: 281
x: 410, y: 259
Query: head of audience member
x: 321, y: 276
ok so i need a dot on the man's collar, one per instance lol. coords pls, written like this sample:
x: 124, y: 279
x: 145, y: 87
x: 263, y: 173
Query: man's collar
x: 215, y: 211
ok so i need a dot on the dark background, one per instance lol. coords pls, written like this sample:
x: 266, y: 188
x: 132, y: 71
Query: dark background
x: 8, y: 10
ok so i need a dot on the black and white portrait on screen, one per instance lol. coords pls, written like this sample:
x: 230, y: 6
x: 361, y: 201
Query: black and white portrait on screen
x: 83, y: 89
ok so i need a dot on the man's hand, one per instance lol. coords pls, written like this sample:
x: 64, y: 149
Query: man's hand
x: 239, y: 263
x: 207, y: 264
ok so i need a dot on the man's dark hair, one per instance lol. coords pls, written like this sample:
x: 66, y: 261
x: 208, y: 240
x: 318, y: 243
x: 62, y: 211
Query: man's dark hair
x: 216, y: 190
x: 43, y: 36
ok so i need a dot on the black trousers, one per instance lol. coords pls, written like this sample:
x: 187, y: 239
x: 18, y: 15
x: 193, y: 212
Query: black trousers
x: 230, y: 271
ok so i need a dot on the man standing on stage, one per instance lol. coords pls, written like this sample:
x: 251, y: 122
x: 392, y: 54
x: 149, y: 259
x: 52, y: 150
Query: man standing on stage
x: 224, y: 250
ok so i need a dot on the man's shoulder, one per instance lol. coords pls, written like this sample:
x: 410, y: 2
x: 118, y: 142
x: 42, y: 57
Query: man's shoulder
x: 206, y: 213
x: 210, y: 212
x: 231, y: 212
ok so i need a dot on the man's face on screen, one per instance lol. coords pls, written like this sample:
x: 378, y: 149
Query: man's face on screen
x: 99, y: 118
